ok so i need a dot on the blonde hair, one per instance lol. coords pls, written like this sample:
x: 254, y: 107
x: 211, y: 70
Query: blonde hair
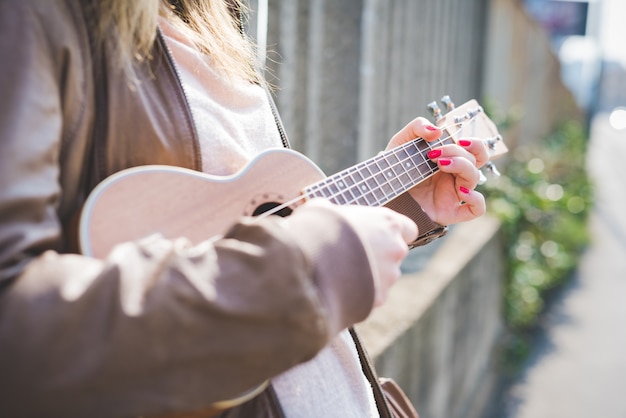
x: 214, y: 27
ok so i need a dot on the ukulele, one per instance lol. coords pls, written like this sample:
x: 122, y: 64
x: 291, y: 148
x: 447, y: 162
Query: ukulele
x: 130, y: 204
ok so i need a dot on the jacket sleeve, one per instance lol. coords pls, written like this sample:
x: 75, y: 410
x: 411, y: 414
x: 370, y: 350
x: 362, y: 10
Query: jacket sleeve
x: 159, y: 325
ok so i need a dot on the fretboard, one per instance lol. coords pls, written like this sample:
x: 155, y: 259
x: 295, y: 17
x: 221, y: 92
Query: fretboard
x: 382, y: 178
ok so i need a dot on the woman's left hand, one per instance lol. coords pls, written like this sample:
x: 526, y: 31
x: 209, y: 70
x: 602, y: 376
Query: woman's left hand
x: 448, y: 196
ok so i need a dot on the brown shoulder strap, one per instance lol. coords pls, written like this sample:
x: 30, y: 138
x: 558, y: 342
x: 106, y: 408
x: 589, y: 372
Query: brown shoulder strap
x: 368, y: 370
x: 428, y: 230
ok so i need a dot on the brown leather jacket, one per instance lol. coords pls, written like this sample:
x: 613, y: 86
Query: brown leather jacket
x: 213, y: 322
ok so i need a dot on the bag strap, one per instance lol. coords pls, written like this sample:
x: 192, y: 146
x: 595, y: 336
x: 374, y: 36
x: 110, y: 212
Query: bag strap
x: 370, y: 373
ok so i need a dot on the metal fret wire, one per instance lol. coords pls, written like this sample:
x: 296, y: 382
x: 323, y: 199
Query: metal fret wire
x: 368, y: 183
x: 324, y: 187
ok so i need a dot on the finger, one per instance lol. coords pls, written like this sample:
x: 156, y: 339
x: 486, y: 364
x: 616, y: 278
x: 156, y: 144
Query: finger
x: 465, y: 173
x: 474, y: 204
x: 451, y: 150
x: 418, y: 128
x: 477, y: 148
x: 404, y: 225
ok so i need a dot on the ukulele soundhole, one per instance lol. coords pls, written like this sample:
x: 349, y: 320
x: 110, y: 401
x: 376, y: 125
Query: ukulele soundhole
x: 268, y: 202
x: 268, y: 206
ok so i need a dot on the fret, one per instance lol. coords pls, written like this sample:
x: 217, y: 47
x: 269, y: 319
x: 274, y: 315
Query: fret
x: 386, y: 169
x: 372, y: 200
x: 380, y: 179
x: 349, y: 181
x: 389, y: 164
x: 425, y: 167
x: 423, y: 164
x: 384, y: 189
x: 387, y: 189
x: 339, y: 199
x: 348, y: 178
x: 396, y: 185
x: 361, y: 201
x: 350, y: 192
x: 332, y: 186
x: 344, y: 182
x: 382, y: 163
x: 322, y: 192
x: 405, y: 170
x: 341, y: 183
x: 370, y: 185
x: 372, y: 178
x: 378, y: 191
x: 405, y: 158
x: 385, y: 173
x: 401, y: 178
x: 359, y: 188
x: 358, y: 179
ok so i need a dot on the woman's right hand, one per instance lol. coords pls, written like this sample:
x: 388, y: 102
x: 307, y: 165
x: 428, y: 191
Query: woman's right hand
x: 385, y: 235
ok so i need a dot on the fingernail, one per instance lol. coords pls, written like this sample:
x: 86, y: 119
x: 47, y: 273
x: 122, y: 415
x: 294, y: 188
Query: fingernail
x: 445, y: 161
x: 464, y: 190
x: 431, y: 128
x: 434, y: 153
x: 465, y: 142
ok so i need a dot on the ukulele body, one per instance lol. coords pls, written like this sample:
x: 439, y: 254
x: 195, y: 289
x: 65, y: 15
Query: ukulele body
x: 178, y: 202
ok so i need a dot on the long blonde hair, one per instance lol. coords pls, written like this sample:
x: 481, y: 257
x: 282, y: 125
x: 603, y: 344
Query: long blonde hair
x: 214, y: 26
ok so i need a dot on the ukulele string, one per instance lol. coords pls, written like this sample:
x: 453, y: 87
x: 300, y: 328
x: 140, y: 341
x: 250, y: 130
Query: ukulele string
x: 400, y: 165
x: 440, y: 141
x: 400, y: 162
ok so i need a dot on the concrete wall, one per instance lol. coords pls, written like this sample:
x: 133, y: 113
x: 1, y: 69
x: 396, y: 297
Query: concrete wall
x: 438, y: 334
x: 351, y: 73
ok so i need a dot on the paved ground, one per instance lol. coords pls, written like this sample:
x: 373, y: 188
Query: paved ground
x: 578, y: 367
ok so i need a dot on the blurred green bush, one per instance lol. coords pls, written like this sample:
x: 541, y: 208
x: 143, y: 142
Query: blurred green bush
x: 543, y: 200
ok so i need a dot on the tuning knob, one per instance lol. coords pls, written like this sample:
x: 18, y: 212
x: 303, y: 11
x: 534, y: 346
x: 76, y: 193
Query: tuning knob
x: 434, y: 109
x: 491, y: 142
x: 448, y: 103
x: 491, y: 167
x: 482, y: 179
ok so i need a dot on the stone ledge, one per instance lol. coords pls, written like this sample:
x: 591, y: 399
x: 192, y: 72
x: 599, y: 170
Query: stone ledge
x: 438, y: 334
x: 415, y: 293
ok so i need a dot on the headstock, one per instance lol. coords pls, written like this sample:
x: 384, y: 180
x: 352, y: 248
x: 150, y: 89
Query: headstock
x: 469, y: 121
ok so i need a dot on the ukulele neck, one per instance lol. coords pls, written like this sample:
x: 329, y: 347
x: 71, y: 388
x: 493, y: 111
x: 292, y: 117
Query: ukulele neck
x: 380, y: 179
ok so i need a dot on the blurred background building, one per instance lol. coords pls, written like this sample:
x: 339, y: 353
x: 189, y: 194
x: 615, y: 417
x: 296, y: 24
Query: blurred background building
x: 589, y: 38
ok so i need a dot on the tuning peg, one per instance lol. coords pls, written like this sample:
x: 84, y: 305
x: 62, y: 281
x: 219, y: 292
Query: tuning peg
x: 491, y: 142
x: 491, y: 167
x: 448, y: 103
x: 482, y: 179
x: 434, y: 110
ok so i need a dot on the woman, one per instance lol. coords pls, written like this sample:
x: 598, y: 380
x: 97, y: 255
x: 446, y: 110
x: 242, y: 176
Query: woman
x: 160, y: 326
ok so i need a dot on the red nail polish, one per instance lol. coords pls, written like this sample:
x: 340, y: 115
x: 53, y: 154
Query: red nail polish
x: 434, y: 153
x: 464, y: 190
x: 431, y: 128
x: 445, y: 161
x: 465, y: 142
